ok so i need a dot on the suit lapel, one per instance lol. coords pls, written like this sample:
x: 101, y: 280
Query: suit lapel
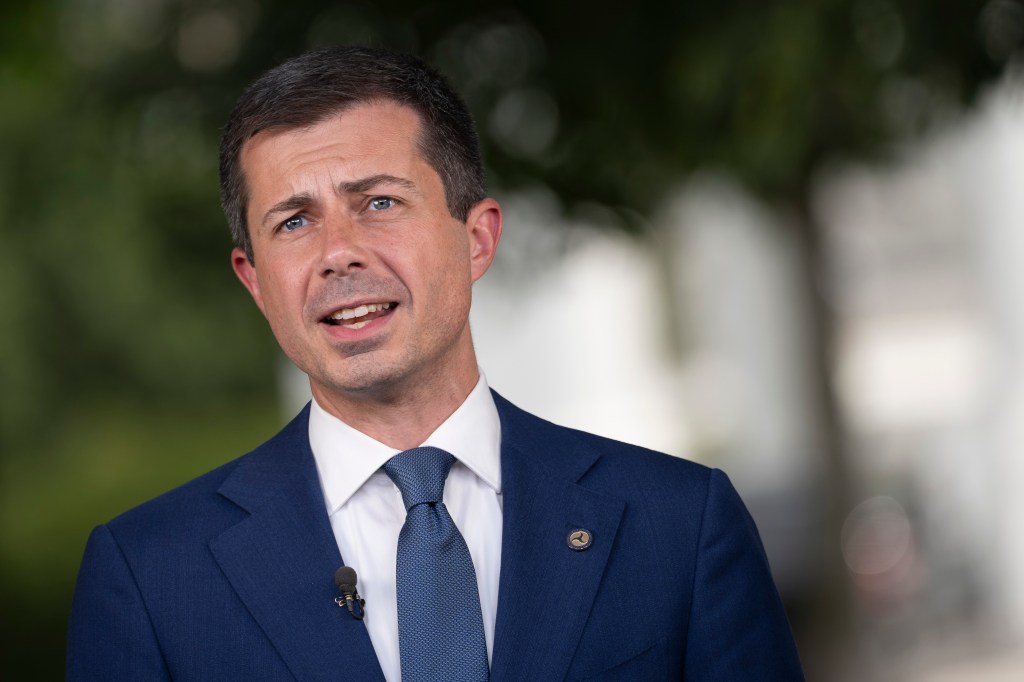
x: 546, y: 589
x: 282, y: 558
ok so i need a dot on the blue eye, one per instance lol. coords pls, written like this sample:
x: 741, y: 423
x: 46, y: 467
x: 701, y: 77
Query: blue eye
x: 294, y: 223
x: 381, y: 203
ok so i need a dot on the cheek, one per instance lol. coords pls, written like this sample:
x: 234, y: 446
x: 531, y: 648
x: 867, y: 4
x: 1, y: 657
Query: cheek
x: 449, y: 272
x: 281, y: 295
x: 452, y: 288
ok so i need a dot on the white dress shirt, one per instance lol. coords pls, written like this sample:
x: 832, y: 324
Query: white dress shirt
x: 366, y: 510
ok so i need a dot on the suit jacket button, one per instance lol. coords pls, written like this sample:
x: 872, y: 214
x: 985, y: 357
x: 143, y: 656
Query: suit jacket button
x: 579, y: 539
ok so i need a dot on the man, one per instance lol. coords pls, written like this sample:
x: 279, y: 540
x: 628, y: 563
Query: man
x: 353, y: 185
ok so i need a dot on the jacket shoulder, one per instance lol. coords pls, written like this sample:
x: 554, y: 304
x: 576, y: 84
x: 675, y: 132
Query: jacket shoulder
x: 602, y: 462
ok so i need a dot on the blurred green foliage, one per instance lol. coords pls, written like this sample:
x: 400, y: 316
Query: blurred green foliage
x: 130, y: 360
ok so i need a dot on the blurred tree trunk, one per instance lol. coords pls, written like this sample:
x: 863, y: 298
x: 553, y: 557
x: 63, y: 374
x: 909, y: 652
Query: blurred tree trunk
x: 825, y: 628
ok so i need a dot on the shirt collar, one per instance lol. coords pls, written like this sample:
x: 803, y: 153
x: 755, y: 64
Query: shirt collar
x: 346, y: 458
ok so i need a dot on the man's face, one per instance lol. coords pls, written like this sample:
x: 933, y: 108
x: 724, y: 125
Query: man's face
x: 360, y: 269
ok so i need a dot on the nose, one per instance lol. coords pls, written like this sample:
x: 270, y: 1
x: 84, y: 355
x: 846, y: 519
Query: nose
x: 342, y: 248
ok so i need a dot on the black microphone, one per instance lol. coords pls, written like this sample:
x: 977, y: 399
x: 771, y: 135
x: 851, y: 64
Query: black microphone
x: 345, y: 579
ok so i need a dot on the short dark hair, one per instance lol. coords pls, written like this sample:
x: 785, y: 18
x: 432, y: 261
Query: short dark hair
x: 318, y: 85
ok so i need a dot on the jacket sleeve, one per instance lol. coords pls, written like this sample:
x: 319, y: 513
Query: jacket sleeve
x: 110, y: 635
x: 738, y: 628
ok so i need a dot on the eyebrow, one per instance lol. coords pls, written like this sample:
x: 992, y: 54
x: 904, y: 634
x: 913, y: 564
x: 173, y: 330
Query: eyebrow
x: 292, y: 203
x: 364, y: 184
x: 359, y: 186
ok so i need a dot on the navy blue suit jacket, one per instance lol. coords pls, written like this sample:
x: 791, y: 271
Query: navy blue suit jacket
x: 230, y: 577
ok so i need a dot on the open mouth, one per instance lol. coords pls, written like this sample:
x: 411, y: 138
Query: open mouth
x: 360, y: 316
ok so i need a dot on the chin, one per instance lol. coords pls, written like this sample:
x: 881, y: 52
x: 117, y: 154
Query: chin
x: 362, y: 382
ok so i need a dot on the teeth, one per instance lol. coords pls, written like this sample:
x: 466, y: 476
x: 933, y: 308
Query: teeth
x: 356, y: 325
x: 352, y: 313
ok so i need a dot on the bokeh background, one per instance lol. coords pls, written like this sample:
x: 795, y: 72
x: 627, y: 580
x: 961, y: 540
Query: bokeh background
x: 782, y: 238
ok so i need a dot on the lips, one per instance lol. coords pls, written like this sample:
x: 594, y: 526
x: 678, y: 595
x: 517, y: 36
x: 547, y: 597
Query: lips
x: 359, y: 316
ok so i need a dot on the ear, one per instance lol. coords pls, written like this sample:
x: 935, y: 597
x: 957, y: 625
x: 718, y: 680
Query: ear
x: 484, y: 227
x: 246, y: 273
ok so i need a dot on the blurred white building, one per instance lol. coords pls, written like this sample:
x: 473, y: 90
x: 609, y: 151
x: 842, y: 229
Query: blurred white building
x: 928, y: 258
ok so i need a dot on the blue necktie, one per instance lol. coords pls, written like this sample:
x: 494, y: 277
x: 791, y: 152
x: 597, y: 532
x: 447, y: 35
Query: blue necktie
x: 440, y: 629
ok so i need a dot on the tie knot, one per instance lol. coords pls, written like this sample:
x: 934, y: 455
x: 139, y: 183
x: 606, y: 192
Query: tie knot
x: 420, y: 474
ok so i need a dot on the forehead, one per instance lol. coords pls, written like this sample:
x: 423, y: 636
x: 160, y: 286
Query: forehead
x: 363, y: 137
x: 386, y: 126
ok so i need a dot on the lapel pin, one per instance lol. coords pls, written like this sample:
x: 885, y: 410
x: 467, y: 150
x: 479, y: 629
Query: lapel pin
x: 580, y: 539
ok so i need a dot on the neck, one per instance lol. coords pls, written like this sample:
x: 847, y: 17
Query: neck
x: 401, y: 419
